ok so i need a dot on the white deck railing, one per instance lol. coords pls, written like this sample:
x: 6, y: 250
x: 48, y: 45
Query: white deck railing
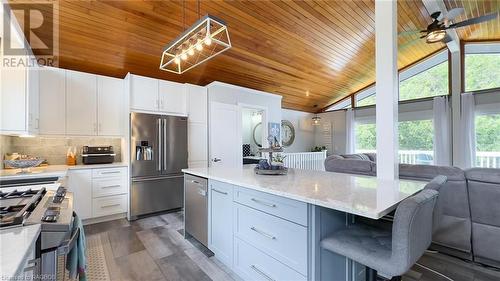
x: 306, y: 160
x: 484, y: 159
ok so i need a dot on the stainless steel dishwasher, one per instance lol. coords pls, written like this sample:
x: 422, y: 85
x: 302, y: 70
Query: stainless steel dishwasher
x: 196, y: 208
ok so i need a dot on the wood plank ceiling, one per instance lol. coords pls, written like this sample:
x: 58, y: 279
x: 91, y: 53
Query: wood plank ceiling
x: 312, y: 53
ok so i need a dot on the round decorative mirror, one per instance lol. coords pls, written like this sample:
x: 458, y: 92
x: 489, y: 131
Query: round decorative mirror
x: 287, y: 133
x: 257, y: 134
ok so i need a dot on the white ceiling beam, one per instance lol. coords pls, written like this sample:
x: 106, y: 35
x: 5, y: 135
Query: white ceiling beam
x: 438, y: 5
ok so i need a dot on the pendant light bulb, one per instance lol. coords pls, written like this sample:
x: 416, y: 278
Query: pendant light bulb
x: 177, y: 60
x: 208, y: 41
x: 199, y: 46
x: 184, y: 56
x: 191, y: 52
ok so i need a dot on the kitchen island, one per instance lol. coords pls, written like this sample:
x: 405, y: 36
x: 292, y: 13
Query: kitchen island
x: 269, y: 227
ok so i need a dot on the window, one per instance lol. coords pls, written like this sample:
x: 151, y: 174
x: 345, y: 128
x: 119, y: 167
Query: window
x: 343, y: 104
x: 482, y: 71
x: 426, y: 79
x: 415, y: 140
x: 488, y: 140
x: 428, y: 83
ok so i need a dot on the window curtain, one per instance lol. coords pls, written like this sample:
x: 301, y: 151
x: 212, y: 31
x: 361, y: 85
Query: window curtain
x: 442, y: 131
x: 349, y: 126
x: 468, y: 130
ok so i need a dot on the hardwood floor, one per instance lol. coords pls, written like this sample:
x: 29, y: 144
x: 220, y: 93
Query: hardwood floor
x: 154, y: 248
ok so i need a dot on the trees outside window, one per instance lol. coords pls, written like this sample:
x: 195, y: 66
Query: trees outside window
x: 488, y: 141
x: 415, y: 140
x: 482, y: 71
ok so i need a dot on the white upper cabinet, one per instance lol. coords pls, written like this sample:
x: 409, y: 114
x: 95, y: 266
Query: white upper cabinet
x: 172, y: 97
x: 18, y: 90
x: 144, y: 93
x: 52, y: 101
x: 81, y: 103
x: 13, y: 99
x: 197, y: 103
x: 110, y: 106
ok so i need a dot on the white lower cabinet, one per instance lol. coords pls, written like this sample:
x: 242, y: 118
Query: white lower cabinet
x: 109, y: 205
x: 99, y: 192
x: 80, y: 183
x: 221, y: 221
x: 258, y: 235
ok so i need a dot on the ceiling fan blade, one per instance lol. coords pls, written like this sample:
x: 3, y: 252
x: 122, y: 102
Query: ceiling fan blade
x: 435, y: 15
x: 453, y: 13
x: 474, y: 20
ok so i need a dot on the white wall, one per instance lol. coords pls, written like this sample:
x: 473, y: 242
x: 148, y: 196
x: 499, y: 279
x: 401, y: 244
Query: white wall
x: 231, y: 94
x: 336, y: 121
x: 304, y: 130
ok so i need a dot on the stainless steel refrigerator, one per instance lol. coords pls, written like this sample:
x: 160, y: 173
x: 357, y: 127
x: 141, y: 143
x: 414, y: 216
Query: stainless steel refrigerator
x: 158, y: 153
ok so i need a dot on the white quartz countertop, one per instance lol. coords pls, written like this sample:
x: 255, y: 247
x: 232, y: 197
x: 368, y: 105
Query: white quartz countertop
x: 53, y: 170
x: 360, y: 195
x: 15, y: 244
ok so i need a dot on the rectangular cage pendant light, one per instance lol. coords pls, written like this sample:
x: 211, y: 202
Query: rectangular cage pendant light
x: 205, y: 39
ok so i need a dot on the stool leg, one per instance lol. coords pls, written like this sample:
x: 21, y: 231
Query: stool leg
x: 370, y: 274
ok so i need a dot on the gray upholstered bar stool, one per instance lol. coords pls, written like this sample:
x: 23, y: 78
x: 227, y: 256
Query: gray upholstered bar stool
x: 390, y: 254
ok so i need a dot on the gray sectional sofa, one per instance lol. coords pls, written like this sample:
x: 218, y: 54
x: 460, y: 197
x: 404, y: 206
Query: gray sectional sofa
x: 468, y: 220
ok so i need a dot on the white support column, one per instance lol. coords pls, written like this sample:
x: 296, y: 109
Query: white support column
x: 456, y: 89
x: 387, y: 89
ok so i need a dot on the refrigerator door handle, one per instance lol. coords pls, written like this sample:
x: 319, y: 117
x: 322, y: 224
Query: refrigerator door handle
x: 164, y: 144
x: 160, y: 136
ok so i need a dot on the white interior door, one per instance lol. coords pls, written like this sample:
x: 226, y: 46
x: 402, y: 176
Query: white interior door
x: 224, y: 135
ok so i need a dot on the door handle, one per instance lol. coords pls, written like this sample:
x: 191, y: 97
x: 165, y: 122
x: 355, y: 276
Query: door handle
x: 216, y: 159
x: 164, y: 144
x: 160, y: 136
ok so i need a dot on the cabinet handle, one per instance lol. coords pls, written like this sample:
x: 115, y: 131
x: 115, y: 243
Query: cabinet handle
x: 113, y: 172
x: 218, y: 191
x: 37, y: 126
x: 263, y: 233
x: 111, y: 186
x: 109, y: 206
x: 261, y: 273
x: 263, y: 203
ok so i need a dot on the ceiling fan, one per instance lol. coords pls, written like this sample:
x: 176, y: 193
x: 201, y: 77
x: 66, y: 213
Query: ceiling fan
x: 436, y: 31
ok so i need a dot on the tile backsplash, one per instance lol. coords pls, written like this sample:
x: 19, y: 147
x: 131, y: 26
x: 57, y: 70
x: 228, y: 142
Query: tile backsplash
x: 53, y: 149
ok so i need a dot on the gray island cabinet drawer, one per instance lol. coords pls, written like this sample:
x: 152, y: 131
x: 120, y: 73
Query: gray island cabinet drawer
x: 253, y: 264
x: 283, y: 240
x: 288, y: 209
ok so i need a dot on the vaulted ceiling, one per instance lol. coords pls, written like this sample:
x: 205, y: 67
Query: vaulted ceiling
x: 312, y: 53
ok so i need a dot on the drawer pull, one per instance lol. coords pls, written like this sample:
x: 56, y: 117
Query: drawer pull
x: 195, y: 182
x: 263, y: 233
x: 112, y: 172
x: 111, y: 186
x: 109, y: 206
x: 264, y: 203
x: 261, y: 273
x: 218, y: 191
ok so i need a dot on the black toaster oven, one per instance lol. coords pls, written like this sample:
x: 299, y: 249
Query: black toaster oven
x: 98, y: 155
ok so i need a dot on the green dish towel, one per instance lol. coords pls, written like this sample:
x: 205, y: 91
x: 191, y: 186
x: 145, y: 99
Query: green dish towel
x: 76, y: 262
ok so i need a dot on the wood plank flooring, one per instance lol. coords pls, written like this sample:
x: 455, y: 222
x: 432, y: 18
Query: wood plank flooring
x: 154, y: 248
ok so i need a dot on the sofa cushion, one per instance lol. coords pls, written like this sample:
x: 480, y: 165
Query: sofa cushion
x: 358, y: 156
x: 351, y: 166
x: 490, y: 175
x: 420, y: 172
